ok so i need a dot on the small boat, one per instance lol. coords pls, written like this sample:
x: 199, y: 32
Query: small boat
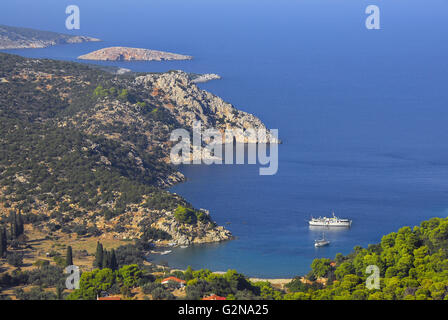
x: 183, y: 247
x: 165, y: 252
x: 321, y: 242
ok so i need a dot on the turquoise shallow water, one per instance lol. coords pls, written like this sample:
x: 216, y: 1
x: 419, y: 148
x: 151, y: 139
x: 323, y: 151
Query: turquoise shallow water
x: 362, y: 114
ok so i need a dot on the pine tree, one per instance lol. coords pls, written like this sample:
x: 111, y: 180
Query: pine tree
x: 69, y: 257
x: 99, y: 256
x: 113, y: 261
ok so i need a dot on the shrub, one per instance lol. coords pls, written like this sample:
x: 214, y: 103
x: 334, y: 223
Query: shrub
x: 155, y: 234
x: 162, y: 294
x: 15, y: 259
x: 185, y: 215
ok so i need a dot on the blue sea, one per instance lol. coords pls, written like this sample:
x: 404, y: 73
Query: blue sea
x: 362, y: 113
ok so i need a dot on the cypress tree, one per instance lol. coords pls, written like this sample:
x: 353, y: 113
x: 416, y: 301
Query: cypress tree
x: 113, y: 261
x: 99, y: 256
x: 60, y: 292
x: 20, y: 227
x: 2, y: 253
x: 3, y: 242
x: 13, y: 224
x: 69, y: 257
x: 15, y: 229
x: 106, y: 259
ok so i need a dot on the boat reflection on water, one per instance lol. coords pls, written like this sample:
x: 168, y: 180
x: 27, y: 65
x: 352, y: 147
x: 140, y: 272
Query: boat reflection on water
x: 328, y: 230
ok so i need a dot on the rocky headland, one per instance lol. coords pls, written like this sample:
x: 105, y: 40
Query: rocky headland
x: 188, y: 104
x: 25, y: 38
x: 100, y: 142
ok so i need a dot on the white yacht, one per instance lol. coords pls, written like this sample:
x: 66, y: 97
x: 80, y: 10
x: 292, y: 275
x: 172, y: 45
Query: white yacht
x: 330, y: 222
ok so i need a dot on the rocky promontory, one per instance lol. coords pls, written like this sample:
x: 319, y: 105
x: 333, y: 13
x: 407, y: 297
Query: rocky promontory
x: 132, y: 54
x: 187, y: 103
x: 25, y: 38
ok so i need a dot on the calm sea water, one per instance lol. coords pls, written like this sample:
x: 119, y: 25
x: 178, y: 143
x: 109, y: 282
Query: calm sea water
x: 362, y: 113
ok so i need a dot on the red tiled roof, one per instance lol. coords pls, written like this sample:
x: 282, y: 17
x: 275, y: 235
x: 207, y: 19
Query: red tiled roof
x: 174, y: 279
x: 214, y: 297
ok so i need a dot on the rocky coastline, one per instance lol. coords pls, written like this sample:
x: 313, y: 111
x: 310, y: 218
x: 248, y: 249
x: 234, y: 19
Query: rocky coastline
x: 128, y: 119
x: 25, y: 38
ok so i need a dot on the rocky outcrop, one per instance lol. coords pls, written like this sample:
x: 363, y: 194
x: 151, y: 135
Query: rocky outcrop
x: 132, y: 54
x: 186, y: 234
x: 128, y: 226
x: 23, y: 38
x: 201, y: 78
x: 189, y: 104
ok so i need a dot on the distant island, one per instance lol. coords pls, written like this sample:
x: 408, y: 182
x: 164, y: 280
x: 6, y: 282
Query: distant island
x: 200, y: 78
x: 132, y: 54
x: 24, y: 38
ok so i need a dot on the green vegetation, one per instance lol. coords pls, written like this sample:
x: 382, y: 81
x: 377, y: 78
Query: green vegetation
x: 162, y: 200
x: 59, y: 162
x: 231, y: 284
x: 78, y: 147
x: 413, y: 264
x: 93, y: 283
x: 185, y: 215
x: 113, y: 92
x: 157, y: 291
x: 52, y: 161
x: 155, y: 234
x: 123, y: 255
x: 105, y: 259
x: 190, y: 216
x: 44, y: 276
